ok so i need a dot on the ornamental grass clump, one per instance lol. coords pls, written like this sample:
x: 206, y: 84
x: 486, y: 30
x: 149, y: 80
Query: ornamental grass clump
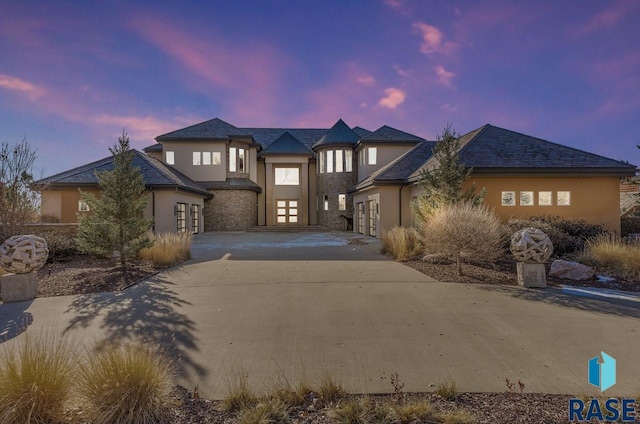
x: 401, y: 243
x: 36, y: 380
x: 622, y: 258
x: 168, y: 248
x: 127, y: 384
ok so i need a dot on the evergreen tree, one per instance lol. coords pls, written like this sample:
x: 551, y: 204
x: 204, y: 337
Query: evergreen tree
x: 115, y: 221
x: 443, y: 183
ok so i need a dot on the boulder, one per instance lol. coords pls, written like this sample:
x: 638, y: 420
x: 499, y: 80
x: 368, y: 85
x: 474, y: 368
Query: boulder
x: 570, y: 270
x: 23, y: 254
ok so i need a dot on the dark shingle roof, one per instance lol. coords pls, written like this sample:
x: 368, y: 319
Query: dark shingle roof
x: 306, y: 136
x: 231, y: 184
x: 155, y: 173
x: 286, y: 144
x: 493, y: 147
x: 339, y: 134
x: 214, y: 129
x: 388, y: 134
x: 153, y: 148
x: 399, y: 170
x: 362, y: 132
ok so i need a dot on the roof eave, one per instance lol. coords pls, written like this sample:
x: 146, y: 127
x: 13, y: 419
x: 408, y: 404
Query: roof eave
x: 619, y: 172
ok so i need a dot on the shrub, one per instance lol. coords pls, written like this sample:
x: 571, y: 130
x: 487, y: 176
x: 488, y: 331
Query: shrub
x: 402, y: 243
x: 629, y: 225
x: 168, y: 248
x: 61, y: 247
x: 609, y: 251
x: 464, y: 232
x: 267, y: 412
x: 239, y: 395
x: 126, y: 384
x: 36, y: 379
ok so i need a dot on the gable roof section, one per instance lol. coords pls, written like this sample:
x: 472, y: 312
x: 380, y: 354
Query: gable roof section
x: 339, y: 134
x: 286, y: 144
x: 494, y: 148
x: 214, y: 129
x: 399, y: 170
x: 362, y: 132
x: 386, y: 134
x: 153, y: 148
x: 155, y: 173
x: 306, y: 136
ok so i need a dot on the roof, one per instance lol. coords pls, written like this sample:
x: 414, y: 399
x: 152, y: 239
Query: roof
x: 286, y: 144
x: 306, y: 136
x: 231, y: 184
x: 339, y: 134
x: 399, y: 170
x: 155, y: 173
x: 153, y: 148
x: 388, y: 134
x: 493, y: 147
x: 362, y: 132
x: 214, y: 129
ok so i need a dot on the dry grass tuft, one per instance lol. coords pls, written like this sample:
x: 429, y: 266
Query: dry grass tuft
x: 168, y: 248
x: 460, y: 416
x: 447, y: 390
x: 36, y: 380
x: 353, y: 411
x: 239, y: 395
x: 269, y: 411
x: 126, y: 384
x: 402, y: 243
x: 329, y: 389
x: 623, y: 259
x: 420, y: 411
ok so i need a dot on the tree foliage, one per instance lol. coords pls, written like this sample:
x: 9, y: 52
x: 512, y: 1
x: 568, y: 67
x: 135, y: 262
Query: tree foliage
x: 443, y: 183
x: 18, y: 203
x: 115, y: 221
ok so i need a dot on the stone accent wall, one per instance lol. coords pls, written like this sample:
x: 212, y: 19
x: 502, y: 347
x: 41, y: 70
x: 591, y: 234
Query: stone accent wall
x: 331, y: 185
x: 231, y: 210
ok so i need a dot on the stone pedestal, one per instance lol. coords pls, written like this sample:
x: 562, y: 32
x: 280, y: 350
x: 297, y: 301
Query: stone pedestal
x: 531, y: 275
x: 18, y: 287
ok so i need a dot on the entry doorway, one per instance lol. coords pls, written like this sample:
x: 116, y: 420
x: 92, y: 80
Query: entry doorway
x: 287, y: 211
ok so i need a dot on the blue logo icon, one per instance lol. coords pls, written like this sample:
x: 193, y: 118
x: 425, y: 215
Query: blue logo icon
x: 602, y: 373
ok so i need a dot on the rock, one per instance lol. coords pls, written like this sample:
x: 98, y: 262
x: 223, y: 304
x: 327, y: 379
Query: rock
x: 434, y: 259
x: 23, y: 254
x: 570, y: 270
x: 531, y: 245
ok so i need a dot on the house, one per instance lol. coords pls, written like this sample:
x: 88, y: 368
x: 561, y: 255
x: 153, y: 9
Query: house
x: 214, y: 176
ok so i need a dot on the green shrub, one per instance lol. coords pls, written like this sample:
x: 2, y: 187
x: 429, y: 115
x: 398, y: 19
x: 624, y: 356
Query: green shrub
x: 126, y: 384
x: 629, y: 225
x: 567, y: 235
x: 36, y: 379
x: 401, y: 243
x: 464, y: 232
x: 61, y: 247
x: 623, y: 259
x: 168, y: 248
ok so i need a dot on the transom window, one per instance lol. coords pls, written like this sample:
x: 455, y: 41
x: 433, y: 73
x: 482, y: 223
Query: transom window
x: 287, y: 176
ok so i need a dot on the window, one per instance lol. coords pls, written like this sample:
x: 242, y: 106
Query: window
x: 206, y: 158
x: 361, y: 218
x: 563, y: 198
x: 195, y: 219
x: 326, y: 202
x: 508, y: 198
x: 215, y: 158
x: 348, y: 160
x: 321, y: 167
x: 287, y: 176
x: 241, y: 161
x: 181, y: 217
x: 339, y: 161
x: 372, y: 152
x: 82, y: 206
x: 526, y: 198
x: 170, y: 158
x: 196, y: 158
x: 545, y: 198
x: 232, y: 159
x: 361, y: 157
x: 329, y: 161
x: 342, y: 202
x: 372, y: 218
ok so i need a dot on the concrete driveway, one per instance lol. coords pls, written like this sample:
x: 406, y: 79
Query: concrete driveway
x: 300, y: 305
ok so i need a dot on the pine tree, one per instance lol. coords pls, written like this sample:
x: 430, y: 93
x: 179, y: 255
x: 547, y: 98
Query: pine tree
x: 115, y: 221
x: 443, y: 183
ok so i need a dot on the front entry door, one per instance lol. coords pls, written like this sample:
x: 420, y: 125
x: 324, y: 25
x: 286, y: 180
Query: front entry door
x: 287, y: 211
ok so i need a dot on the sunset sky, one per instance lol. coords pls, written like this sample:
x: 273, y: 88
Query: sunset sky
x: 73, y: 74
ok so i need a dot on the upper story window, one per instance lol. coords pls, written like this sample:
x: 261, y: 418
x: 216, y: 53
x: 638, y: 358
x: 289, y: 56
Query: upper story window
x: 170, y: 157
x: 348, y: 160
x: 238, y: 160
x: 329, y: 161
x: 372, y: 155
x: 196, y: 158
x: 342, y: 163
x: 287, y: 176
x: 321, y: 164
x: 339, y: 161
x: 206, y: 158
x: 216, y: 158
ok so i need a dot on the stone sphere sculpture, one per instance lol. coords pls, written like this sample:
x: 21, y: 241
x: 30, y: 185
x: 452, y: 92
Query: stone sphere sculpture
x: 23, y: 254
x: 531, y: 245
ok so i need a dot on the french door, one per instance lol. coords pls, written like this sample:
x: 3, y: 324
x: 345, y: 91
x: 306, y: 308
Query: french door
x: 287, y: 211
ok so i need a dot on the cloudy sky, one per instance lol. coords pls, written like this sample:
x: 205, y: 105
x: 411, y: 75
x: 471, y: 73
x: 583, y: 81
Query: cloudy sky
x: 73, y: 74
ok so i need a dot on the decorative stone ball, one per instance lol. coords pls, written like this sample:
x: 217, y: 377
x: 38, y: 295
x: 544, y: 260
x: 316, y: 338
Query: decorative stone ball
x: 531, y: 245
x: 23, y: 254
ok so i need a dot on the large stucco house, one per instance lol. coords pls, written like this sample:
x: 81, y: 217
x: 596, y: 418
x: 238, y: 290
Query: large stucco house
x: 214, y: 176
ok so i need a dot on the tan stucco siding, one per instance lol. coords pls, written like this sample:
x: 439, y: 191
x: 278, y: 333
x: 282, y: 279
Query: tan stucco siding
x: 156, y: 155
x: 164, y: 204
x: 594, y: 199
x: 385, y: 154
x: 51, y: 204
x: 183, y: 156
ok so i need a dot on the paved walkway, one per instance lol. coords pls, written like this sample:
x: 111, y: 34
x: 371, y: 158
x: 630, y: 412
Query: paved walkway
x: 299, y: 305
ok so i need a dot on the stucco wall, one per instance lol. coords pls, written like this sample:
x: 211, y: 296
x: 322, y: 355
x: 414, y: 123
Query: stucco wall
x: 183, y: 154
x: 165, y: 202
x: 231, y: 210
x: 385, y: 155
